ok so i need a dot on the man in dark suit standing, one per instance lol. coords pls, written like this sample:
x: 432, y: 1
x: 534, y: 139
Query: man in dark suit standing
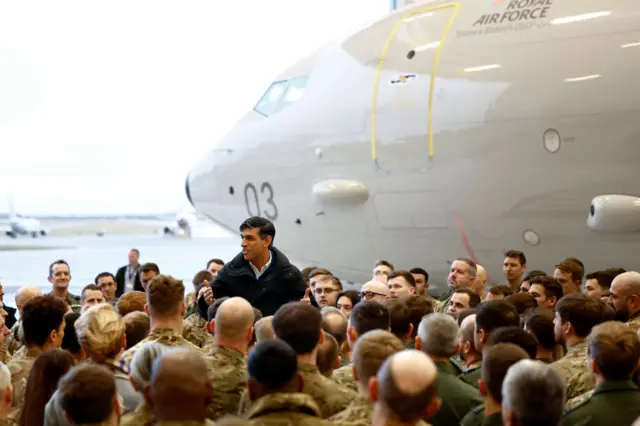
x: 261, y: 274
x: 10, y: 320
x: 127, y: 277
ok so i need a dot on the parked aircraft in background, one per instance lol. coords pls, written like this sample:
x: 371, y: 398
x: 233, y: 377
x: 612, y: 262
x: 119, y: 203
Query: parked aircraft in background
x: 447, y: 129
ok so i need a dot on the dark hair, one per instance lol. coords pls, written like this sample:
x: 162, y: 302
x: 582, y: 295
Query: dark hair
x: 400, y: 317
x: 102, y: 275
x: 353, y: 295
x: 539, y: 322
x: 40, y: 316
x: 264, y: 226
x: 496, y: 362
x: 306, y: 272
x: 137, y: 326
x: 551, y: 286
x: 575, y: 260
x: 369, y: 315
x: 493, y: 314
x: 70, y: 338
x: 582, y: 311
x: 201, y: 277
x: 420, y: 271
x: 298, y: 324
x: 149, y: 267
x: 517, y: 336
x: 463, y: 314
x: 385, y: 263
x: 319, y: 271
x: 522, y: 302
x: 404, y: 274
x: 136, y: 250
x: 58, y: 262
x: 216, y: 261
x: 501, y: 290
x: 474, y: 298
x: 604, y: 278
x: 572, y: 266
x: 418, y: 306
x: 273, y: 363
x: 87, y: 287
x: 327, y: 354
x: 43, y: 380
x: 213, y: 308
x: 87, y: 392
x: 615, y: 349
x: 532, y: 274
x: 516, y: 254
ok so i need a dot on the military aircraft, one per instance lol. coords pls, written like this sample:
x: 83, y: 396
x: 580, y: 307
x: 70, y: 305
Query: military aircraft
x: 446, y: 129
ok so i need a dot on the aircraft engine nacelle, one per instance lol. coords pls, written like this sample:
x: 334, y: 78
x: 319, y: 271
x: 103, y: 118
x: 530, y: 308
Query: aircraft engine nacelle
x: 614, y: 213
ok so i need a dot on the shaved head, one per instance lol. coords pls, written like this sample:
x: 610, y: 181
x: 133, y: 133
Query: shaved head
x: 406, y: 385
x: 263, y: 329
x: 467, y: 327
x: 25, y: 293
x: 627, y: 283
x: 376, y: 287
x: 179, y: 389
x: 481, y: 280
x: 234, y: 318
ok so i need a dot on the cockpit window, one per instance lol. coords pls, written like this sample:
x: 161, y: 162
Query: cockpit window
x: 280, y: 95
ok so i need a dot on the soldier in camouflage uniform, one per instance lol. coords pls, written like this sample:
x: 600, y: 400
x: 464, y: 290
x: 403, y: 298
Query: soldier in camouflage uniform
x: 274, y: 386
x: 576, y: 315
x: 200, y: 279
x: 59, y: 277
x: 614, y: 352
x: 43, y: 323
x: 370, y: 351
x: 15, y: 341
x: 165, y: 297
x: 194, y: 329
x: 178, y: 391
x: 226, y: 362
x: 622, y: 288
x: 299, y: 325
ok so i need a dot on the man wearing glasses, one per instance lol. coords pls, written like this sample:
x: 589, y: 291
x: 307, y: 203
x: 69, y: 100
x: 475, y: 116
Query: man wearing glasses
x: 374, y: 291
x: 326, y: 291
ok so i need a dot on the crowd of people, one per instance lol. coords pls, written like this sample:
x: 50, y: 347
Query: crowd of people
x: 258, y: 342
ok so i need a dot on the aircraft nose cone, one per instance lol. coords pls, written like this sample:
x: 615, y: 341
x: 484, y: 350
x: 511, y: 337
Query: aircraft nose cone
x: 187, y: 190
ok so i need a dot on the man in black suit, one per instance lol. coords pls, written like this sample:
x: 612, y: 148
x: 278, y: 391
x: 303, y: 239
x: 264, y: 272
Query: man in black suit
x: 261, y: 274
x: 127, y: 277
x: 10, y: 320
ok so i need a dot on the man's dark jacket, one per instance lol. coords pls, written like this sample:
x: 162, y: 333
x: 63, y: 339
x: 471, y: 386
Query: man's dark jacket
x: 137, y: 284
x: 279, y: 284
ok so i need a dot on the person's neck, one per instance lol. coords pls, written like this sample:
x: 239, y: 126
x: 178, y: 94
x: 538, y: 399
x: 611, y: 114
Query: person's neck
x: 363, y: 390
x: 238, y: 345
x: 310, y: 358
x: 172, y: 323
x: 261, y: 260
x: 134, y: 265
x: 471, y: 358
x: 382, y: 417
x: 35, y: 350
x: 441, y: 359
x: 60, y: 292
x: 514, y: 284
x: 543, y: 353
x: 180, y: 414
x: 491, y: 406
x: 573, y: 340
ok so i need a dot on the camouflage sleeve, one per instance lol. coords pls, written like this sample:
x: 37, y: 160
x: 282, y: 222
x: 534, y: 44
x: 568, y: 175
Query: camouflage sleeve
x: 19, y: 376
x: 244, y: 404
x: 344, y: 377
x: 574, y: 402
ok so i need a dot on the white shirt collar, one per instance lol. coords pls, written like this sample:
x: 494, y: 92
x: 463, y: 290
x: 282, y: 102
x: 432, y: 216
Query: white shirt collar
x: 263, y: 269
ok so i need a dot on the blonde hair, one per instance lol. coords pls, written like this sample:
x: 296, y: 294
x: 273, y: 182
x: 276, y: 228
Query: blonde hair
x: 100, y: 330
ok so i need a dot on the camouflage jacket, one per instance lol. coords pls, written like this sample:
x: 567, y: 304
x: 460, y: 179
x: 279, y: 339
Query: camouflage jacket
x: 14, y: 340
x: 344, y: 377
x: 635, y: 318
x: 195, y: 331
x: 165, y: 336
x: 573, y: 369
x: 358, y: 413
x: 20, y: 353
x: 611, y: 403
x: 20, y: 370
x: 330, y: 397
x: 142, y: 416
x: 186, y: 423
x: 73, y: 300
x: 292, y: 409
x: 227, y: 371
x: 190, y: 301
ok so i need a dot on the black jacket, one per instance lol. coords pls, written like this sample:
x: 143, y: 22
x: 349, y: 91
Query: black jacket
x: 279, y: 284
x: 11, y: 318
x: 137, y: 285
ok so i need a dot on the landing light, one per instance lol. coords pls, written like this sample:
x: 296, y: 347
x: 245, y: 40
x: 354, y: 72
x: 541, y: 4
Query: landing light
x: 578, y: 18
x: 482, y: 68
x: 583, y: 78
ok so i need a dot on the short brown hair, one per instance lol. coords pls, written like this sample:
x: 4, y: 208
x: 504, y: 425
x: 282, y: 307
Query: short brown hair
x: 516, y: 254
x: 418, y: 306
x: 384, y: 263
x: 496, y: 362
x: 408, y: 277
x: 319, y: 271
x: 551, y: 286
x: 148, y: 267
x: 93, y: 287
x: 201, y: 277
x: 522, y: 302
x: 371, y: 350
x: 573, y: 267
x: 138, y: 325
x: 582, y: 311
x: 334, y: 281
x: 399, y: 316
x: 165, y: 295
x: 615, y: 348
x: 131, y: 301
x: 86, y: 393
x: 327, y: 354
x: 501, y: 290
x: 40, y: 316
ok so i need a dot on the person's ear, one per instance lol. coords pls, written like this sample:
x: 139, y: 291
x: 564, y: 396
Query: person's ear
x: 146, y: 309
x: 211, y: 326
x: 249, y: 335
x: 410, y: 333
x: 418, y: 343
x: 433, y: 407
x: 373, y: 388
x: 338, y: 361
x: 321, y: 339
x: 482, y: 386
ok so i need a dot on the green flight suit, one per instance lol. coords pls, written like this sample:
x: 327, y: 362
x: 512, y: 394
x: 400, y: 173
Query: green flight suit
x: 472, y: 374
x: 612, y: 403
x: 458, y: 397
